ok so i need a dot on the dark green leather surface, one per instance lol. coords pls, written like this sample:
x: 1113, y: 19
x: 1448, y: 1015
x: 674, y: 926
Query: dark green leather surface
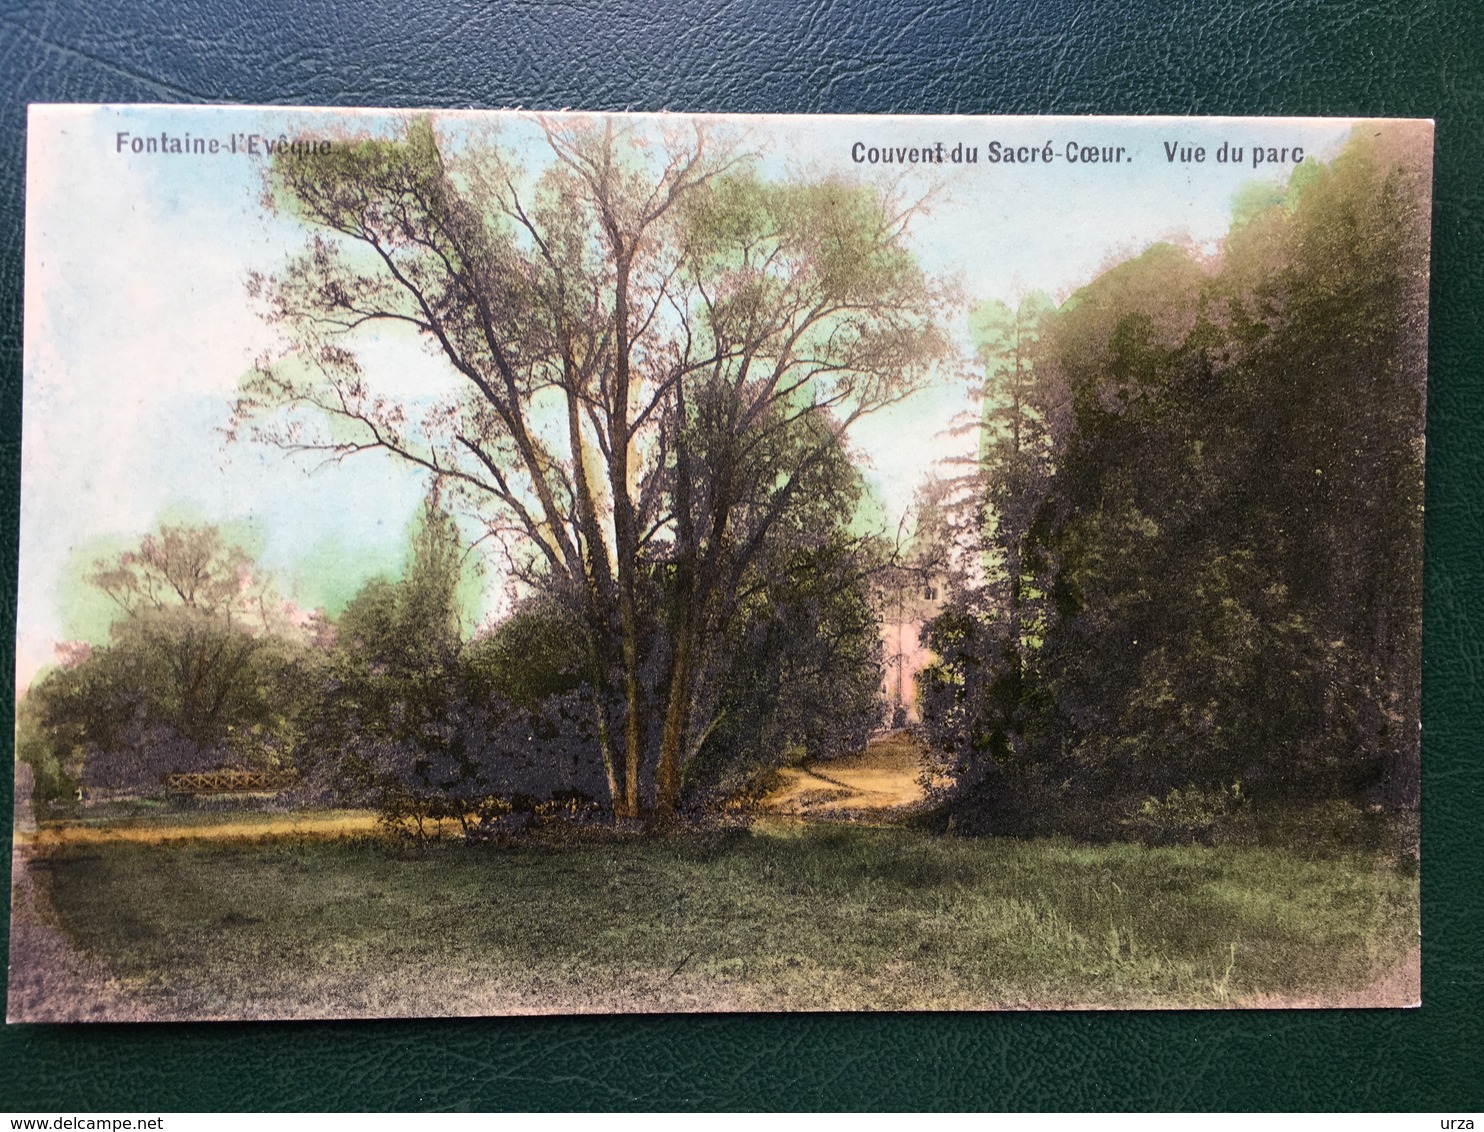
x: 1411, y: 58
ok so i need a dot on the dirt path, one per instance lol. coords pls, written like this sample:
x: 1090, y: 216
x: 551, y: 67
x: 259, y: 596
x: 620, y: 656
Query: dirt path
x: 883, y: 780
x: 329, y: 823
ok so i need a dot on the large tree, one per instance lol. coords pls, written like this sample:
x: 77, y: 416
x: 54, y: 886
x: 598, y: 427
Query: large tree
x: 657, y: 352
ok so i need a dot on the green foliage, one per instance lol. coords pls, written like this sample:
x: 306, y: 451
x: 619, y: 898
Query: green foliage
x: 412, y: 626
x: 408, y: 718
x: 393, y: 671
x: 532, y: 656
x: 802, y: 673
x: 1186, y: 816
x: 1225, y: 530
x: 831, y: 235
x: 796, y: 666
x: 55, y: 777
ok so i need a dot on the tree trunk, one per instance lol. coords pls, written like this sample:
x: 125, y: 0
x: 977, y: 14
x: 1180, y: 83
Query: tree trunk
x: 677, y: 723
x: 625, y: 535
x: 633, y: 705
x: 616, y: 794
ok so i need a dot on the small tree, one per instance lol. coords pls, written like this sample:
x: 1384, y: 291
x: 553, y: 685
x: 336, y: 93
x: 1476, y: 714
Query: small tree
x: 195, y: 673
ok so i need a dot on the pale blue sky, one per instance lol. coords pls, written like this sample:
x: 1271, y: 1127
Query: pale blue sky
x: 138, y: 324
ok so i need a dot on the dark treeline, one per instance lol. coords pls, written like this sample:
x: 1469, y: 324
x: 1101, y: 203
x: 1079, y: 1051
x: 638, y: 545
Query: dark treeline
x: 393, y: 705
x: 1188, y: 564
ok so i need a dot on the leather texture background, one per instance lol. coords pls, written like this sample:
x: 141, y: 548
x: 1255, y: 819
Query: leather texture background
x: 1422, y: 58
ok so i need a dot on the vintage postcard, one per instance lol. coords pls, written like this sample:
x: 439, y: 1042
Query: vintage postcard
x: 498, y: 563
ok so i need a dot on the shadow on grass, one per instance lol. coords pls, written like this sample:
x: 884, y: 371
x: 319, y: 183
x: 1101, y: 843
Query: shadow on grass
x: 785, y: 916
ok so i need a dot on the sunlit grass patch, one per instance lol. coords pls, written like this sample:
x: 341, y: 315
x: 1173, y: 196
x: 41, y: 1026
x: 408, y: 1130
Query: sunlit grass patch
x: 176, y: 824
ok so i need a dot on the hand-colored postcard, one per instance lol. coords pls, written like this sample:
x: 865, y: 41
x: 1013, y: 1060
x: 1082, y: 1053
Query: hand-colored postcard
x: 498, y: 563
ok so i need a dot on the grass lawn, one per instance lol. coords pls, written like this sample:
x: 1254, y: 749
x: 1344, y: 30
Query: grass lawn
x: 782, y: 917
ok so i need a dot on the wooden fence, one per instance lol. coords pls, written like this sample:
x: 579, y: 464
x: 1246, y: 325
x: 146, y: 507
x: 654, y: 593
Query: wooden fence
x: 234, y: 780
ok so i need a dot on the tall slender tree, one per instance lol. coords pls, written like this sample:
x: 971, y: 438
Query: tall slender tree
x: 1015, y: 450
